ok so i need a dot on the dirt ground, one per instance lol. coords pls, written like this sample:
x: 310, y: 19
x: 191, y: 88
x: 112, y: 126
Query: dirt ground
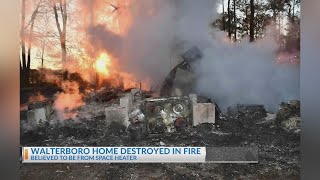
x: 279, y: 150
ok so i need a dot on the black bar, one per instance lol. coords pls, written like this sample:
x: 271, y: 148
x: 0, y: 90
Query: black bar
x: 232, y: 154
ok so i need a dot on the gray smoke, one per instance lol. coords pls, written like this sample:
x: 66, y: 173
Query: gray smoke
x: 247, y: 74
x: 102, y: 38
x: 243, y: 72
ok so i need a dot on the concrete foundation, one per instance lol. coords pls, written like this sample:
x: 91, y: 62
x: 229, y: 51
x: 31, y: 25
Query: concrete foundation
x: 117, y: 114
x: 126, y: 102
x: 36, y: 117
x: 49, y: 111
x: 203, y: 113
x: 193, y: 98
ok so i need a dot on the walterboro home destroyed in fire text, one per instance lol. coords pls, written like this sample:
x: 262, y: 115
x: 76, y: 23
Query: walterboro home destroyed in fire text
x: 162, y: 73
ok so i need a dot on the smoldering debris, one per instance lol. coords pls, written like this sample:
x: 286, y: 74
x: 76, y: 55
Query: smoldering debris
x: 227, y: 73
x: 279, y: 149
x: 67, y: 101
x: 288, y: 116
x: 105, y: 95
x: 118, y: 117
x: 238, y: 110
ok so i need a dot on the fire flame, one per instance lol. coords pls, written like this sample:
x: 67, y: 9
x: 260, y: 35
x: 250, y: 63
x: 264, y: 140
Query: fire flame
x: 103, y: 64
x: 107, y: 68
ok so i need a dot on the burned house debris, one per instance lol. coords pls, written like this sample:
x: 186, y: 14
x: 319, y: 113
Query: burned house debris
x: 167, y: 113
x: 148, y: 73
x: 279, y: 148
x: 39, y: 113
x: 159, y: 115
x: 179, y: 117
x: 288, y: 116
x: 137, y: 113
x: 121, y: 122
x: 181, y: 78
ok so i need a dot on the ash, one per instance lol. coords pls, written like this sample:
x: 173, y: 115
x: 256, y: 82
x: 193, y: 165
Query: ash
x: 276, y: 135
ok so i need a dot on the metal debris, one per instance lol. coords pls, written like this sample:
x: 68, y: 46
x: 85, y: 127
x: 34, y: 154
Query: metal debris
x: 180, y: 79
x: 278, y: 149
x: 162, y: 113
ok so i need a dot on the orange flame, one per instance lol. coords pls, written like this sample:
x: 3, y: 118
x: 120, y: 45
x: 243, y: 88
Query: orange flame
x: 103, y: 64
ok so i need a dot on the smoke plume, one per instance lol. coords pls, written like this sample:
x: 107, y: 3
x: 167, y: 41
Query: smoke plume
x: 230, y: 73
x: 67, y: 101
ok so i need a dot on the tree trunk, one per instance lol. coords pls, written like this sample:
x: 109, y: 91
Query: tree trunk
x: 42, y: 53
x: 289, y: 35
x: 292, y: 20
x: 64, y: 50
x: 229, y: 20
x: 251, y: 20
x: 23, y: 79
x: 275, y: 14
x: 246, y: 15
x: 289, y: 11
x: 280, y: 23
x: 33, y: 17
x: 223, y: 17
x: 274, y: 17
x: 62, y: 31
x: 235, y: 20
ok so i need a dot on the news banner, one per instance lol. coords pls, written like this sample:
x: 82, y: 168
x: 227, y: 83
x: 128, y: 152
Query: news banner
x: 139, y: 154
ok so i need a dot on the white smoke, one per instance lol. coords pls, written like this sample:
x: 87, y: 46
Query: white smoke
x: 246, y: 74
x: 229, y: 73
x: 68, y: 101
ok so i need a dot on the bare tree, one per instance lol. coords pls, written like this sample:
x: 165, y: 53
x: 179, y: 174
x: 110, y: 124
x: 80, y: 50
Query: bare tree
x: 44, y: 33
x: 294, y: 3
x: 26, y: 56
x: 235, y: 20
x: 62, y: 6
x: 33, y: 17
x: 251, y: 20
x: 229, y: 20
x: 23, y: 66
x: 43, y: 44
x: 246, y: 15
x: 223, y: 17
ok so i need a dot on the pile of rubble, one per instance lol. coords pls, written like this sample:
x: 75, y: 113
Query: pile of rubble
x: 135, y: 117
x: 288, y: 116
x: 279, y: 149
x: 130, y: 110
x: 117, y: 117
